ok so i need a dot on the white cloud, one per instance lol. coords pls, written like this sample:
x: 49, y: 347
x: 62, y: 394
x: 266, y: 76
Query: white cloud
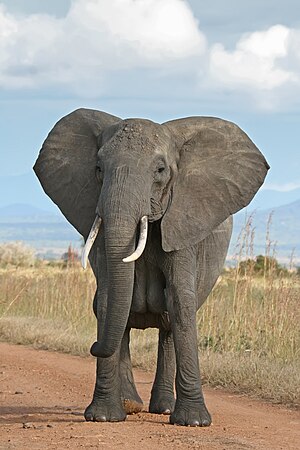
x: 259, y: 60
x: 94, y: 38
x: 285, y: 187
x: 154, y: 29
x: 86, y: 50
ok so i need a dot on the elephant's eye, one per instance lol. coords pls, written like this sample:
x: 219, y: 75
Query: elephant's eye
x: 160, y: 172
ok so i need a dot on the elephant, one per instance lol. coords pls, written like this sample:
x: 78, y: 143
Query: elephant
x: 154, y: 203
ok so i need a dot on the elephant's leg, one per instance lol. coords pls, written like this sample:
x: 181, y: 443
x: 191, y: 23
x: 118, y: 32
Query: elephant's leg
x: 189, y: 408
x: 107, y: 405
x: 131, y: 400
x: 162, y: 395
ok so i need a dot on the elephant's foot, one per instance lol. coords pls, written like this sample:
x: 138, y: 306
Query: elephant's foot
x: 161, y: 402
x: 105, y: 411
x: 190, y: 415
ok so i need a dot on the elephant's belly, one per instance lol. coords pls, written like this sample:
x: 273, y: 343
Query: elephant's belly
x: 148, y: 292
x: 149, y: 320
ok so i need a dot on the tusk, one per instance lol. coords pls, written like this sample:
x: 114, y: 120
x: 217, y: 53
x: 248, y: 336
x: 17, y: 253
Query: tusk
x: 90, y: 240
x: 142, y: 241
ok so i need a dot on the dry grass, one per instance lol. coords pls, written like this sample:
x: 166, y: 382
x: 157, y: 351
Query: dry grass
x: 252, y: 315
x: 248, y: 328
x: 59, y: 295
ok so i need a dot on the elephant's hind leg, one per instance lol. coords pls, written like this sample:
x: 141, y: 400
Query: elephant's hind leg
x: 131, y: 400
x: 162, y: 395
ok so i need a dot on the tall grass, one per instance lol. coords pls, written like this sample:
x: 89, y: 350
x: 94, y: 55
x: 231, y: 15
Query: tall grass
x: 247, y: 314
x: 248, y: 330
x: 54, y: 301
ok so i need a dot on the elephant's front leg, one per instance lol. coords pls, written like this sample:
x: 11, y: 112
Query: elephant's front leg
x: 190, y: 408
x: 107, y: 405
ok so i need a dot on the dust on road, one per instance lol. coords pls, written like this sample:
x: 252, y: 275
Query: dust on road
x: 43, y: 396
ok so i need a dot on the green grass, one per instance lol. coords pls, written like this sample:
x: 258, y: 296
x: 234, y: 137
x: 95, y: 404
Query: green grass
x: 248, y: 329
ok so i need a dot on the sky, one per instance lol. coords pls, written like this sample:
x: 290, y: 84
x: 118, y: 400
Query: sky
x: 238, y: 60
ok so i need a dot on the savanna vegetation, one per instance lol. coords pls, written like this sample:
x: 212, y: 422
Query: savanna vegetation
x: 248, y: 329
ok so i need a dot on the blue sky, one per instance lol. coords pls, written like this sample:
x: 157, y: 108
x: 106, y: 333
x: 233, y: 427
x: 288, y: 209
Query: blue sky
x: 155, y: 59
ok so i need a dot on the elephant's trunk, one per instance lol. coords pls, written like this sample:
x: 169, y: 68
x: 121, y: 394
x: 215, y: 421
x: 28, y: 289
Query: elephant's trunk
x: 121, y: 213
x: 120, y: 278
x: 120, y: 281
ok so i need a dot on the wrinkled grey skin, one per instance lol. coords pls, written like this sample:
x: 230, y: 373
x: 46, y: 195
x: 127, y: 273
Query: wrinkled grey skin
x: 188, y: 176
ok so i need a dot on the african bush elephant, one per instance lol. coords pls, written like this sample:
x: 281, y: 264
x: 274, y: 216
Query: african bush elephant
x: 154, y: 204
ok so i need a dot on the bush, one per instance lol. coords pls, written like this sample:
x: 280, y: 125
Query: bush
x: 261, y: 265
x: 16, y: 254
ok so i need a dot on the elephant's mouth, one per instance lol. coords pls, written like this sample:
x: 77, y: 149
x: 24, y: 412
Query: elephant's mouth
x: 94, y: 233
x: 158, y: 207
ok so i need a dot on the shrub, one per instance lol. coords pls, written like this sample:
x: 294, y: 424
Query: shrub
x: 16, y: 254
x: 261, y: 265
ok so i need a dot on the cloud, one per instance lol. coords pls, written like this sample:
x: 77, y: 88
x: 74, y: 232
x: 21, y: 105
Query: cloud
x: 259, y: 60
x: 95, y: 38
x: 155, y: 30
x: 119, y: 46
x: 285, y: 187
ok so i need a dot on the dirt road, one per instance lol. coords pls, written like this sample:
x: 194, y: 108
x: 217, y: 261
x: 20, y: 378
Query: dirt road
x: 43, y: 395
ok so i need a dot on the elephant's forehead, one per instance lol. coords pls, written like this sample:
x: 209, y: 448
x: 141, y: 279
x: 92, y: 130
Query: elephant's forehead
x: 140, y: 139
x: 143, y: 127
x: 143, y: 132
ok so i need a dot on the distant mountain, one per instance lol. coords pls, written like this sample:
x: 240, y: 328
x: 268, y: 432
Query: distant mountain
x: 50, y: 234
x: 268, y: 198
x: 284, y: 229
x: 24, y: 189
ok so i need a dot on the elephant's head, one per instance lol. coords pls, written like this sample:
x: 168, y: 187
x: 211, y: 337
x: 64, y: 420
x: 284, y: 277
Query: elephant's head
x: 189, y: 174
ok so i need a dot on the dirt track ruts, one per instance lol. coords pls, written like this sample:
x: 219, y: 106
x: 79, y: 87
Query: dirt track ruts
x: 43, y: 395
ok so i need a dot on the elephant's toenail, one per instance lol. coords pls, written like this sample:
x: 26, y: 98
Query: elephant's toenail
x: 195, y: 423
x: 100, y: 419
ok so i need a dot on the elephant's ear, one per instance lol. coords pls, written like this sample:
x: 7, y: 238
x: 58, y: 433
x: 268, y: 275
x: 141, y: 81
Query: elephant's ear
x: 66, y: 165
x: 219, y: 172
